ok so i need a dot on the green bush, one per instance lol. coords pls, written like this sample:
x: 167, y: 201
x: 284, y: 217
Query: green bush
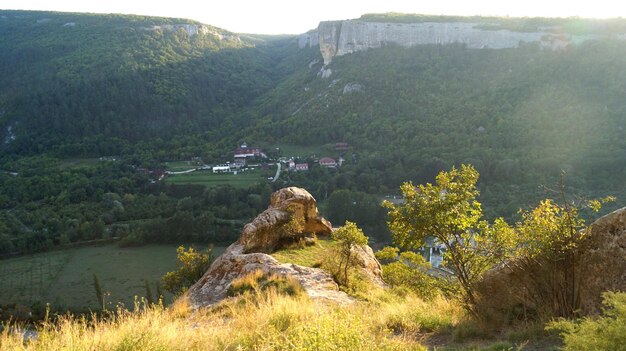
x: 607, y: 332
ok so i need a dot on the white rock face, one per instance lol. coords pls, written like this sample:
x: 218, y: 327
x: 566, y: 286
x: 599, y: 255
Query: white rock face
x: 325, y: 73
x: 352, y: 88
x: 338, y: 38
x: 309, y: 39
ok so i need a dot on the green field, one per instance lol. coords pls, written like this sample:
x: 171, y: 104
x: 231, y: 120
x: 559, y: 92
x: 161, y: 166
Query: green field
x: 65, y: 278
x: 178, y: 166
x: 209, y: 179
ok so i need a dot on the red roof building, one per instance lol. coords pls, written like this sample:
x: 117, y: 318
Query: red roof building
x: 342, y: 146
x: 302, y: 166
x: 245, y: 151
x: 328, y: 162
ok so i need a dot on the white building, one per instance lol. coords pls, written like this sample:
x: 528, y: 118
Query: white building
x: 222, y: 168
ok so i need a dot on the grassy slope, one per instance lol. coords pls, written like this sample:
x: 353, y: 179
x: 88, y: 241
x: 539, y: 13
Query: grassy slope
x: 310, y: 256
x: 271, y: 322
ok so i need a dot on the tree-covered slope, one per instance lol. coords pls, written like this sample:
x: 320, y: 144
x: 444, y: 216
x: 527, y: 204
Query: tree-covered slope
x: 91, y: 84
x: 520, y: 115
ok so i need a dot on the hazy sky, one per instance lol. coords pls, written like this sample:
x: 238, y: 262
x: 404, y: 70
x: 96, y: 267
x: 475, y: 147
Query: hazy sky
x: 295, y: 16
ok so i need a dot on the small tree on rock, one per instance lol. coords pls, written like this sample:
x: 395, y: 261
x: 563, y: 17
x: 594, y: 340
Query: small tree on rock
x: 349, y: 236
x: 191, y: 266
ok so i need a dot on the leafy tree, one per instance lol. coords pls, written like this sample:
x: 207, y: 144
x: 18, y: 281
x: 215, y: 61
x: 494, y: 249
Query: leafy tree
x: 448, y: 212
x: 349, y: 235
x: 191, y: 266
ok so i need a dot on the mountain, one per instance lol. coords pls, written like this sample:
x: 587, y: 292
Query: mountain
x: 521, y: 113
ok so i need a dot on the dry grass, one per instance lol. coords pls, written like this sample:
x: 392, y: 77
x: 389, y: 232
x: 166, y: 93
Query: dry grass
x: 267, y: 321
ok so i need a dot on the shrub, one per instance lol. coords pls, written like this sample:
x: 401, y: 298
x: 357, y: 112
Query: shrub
x: 606, y: 332
x: 407, y: 270
x: 191, y: 266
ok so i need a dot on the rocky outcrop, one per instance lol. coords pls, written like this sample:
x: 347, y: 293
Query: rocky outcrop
x: 234, y: 263
x: 289, y: 208
x: 365, y: 259
x: 271, y: 229
x: 309, y: 39
x: 337, y: 38
x: 605, y: 257
x: 352, y: 88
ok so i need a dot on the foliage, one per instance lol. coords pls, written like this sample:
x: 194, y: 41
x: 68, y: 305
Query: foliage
x: 349, y: 236
x: 547, y: 254
x: 191, y: 266
x: 449, y: 213
x: 258, y: 281
x: 409, y: 270
x: 513, y: 113
x: 605, y: 332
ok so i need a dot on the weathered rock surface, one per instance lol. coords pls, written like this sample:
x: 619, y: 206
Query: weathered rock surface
x: 234, y: 263
x: 266, y: 233
x: 364, y: 258
x: 605, y: 255
x: 338, y: 38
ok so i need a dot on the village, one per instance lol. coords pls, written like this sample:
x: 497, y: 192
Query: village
x: 246, y: 156
x: 246, y: 160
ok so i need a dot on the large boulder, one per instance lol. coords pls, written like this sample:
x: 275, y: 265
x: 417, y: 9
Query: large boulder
x: 605, y: 258
x: 291, y: 216
x: 274, y: 227
x: 235, y: 263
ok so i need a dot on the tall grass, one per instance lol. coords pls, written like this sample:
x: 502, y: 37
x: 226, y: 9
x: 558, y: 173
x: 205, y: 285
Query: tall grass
x: 268, y: 321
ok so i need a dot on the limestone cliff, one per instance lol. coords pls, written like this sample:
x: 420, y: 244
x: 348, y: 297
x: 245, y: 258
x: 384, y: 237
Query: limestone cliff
x: 337, y: 38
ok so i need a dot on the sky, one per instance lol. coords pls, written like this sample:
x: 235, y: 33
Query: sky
x: 295, y: 16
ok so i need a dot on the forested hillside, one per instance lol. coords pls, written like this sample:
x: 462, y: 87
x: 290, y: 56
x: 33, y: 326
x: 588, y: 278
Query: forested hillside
x: 76, y: 87
x: 521, y: 116
x: 81, y: 85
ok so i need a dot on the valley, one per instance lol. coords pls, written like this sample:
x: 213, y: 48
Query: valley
x: 123, y: 137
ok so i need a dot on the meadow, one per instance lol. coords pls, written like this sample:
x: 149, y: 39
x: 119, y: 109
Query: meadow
x: 64, y: 278
x: 208, y: 179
